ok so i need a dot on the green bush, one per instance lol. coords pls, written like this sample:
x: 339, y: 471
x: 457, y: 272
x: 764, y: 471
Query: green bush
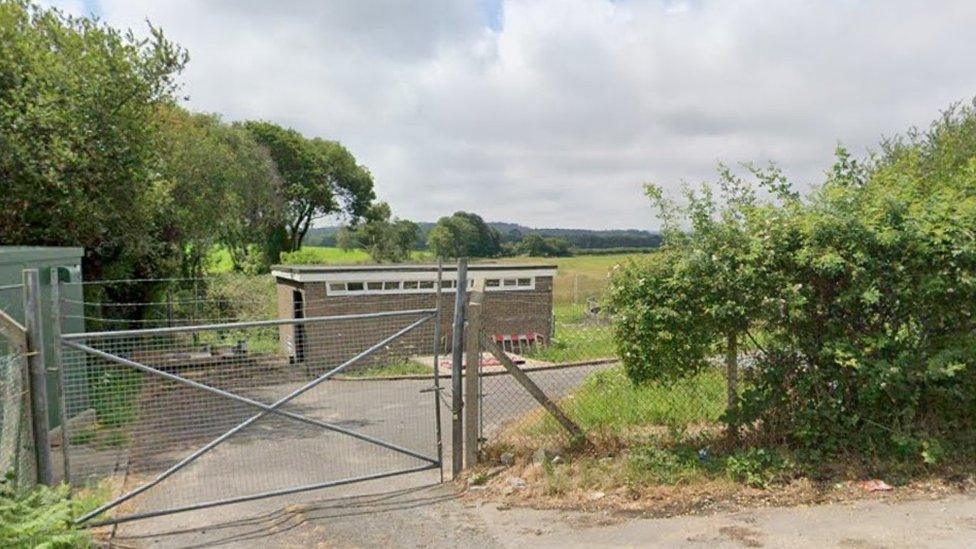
x: 757, y: 467
x: 43, y: 517
x: 652, y: 463
x: 854, y: 305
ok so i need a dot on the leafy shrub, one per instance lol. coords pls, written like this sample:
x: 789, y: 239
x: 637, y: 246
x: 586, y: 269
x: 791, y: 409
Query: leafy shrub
x: 662, y: 465
x: 855, y: 304
x: 756, y: 467
x: 42, y: 517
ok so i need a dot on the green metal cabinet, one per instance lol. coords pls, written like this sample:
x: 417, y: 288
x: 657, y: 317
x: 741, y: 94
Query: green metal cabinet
x: 13, y: 261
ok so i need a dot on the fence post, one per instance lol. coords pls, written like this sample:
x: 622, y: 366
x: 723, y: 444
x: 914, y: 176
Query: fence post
x: 471, y: 378
x: 437, y: 368
x: 38, y: 375
x: 457, y: 356
x: 169, y: 307
x: 58, y: 361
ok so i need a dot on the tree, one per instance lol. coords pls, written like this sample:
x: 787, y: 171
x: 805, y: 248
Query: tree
x: 256, y: 202
x: 217, y: 185
x: 463, y: 235
x: 385, y: 238
x: 319, y: 178
x: 78, y: 156
x: 534, y: 245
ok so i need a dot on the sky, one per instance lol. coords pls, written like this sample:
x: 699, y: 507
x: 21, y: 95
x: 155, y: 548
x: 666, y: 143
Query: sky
x: 553, y: 113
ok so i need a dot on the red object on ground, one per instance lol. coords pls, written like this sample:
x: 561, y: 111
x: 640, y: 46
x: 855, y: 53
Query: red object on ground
x: 875, y: 485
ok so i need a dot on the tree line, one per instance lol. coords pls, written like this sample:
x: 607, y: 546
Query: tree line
x: 462, y: 234
x: 512, y: 239
x: 95, y: 151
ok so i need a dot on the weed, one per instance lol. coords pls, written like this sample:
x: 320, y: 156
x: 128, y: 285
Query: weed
x: 756, y: 467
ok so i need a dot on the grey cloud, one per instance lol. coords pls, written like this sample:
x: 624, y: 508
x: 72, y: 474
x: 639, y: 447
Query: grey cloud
x: 558, y: 117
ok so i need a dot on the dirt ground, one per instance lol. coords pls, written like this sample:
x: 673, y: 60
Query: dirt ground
x: 418, y: 512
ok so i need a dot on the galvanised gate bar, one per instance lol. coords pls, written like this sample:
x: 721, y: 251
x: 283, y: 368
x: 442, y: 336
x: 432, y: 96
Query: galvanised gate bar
x: 188, y: 417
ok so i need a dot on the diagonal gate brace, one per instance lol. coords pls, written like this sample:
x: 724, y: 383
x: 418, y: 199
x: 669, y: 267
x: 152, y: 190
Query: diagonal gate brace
x: 265, y: 410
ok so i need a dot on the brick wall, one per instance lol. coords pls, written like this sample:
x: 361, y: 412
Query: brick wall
x: 328, y: 344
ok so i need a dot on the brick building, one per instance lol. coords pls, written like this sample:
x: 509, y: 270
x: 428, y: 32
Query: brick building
x: 518, y: 301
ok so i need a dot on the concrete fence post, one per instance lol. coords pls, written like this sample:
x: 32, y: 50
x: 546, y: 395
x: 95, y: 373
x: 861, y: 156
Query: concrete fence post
x: 472, y: 372
x: 38, y: 376
x: 58, y: 362
x: 457, y: 357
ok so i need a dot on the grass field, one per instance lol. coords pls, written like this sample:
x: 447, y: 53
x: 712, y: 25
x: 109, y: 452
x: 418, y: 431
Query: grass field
x: 220, y: 261
x: 608, y: 403
x: 579, y: 277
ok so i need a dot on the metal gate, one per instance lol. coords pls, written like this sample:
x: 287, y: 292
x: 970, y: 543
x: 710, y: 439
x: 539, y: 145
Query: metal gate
x: 189, y: 417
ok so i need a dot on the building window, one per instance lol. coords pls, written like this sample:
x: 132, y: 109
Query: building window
x: 425, y: 286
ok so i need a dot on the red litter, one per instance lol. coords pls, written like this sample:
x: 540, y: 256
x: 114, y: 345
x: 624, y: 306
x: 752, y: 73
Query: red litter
x: 875, y: 486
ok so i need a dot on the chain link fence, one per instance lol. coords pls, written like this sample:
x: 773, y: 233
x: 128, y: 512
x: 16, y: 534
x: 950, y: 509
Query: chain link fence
x: 578, y: 368
x: 150, y: 383
x: 16, y: 441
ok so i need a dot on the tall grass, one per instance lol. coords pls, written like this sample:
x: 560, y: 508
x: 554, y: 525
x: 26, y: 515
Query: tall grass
x: 607, y: 401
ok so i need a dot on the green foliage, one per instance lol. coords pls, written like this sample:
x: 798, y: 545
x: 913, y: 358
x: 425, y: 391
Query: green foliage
x: 385, y: 238
x: 857, y: 302
x: 757, y: 467
x: 463, y: 235
x: 43, y: 517
x: 318, y: 178
x: 607, y: 401
x: 320, y: 255
x: 538, y: 246
x: 217, y: 185
x: 654, y: 463
x: 78, y: 136
x: 575, y: 342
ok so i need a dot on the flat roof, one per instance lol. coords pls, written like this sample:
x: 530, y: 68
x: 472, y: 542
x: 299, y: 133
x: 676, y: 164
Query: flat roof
x: 406, y: 268
x: 372, y: 273
x: 20, y: 254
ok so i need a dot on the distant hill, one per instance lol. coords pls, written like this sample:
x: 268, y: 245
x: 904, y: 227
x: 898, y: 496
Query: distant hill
x: 586, y: 239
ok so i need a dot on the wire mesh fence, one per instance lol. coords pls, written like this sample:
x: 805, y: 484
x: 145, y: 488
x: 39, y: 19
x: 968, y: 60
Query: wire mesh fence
x: 167, y: 302
x: 578, y: 368
x: 16, y: 441
x: 139, y: 401
x: 11, y: 300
